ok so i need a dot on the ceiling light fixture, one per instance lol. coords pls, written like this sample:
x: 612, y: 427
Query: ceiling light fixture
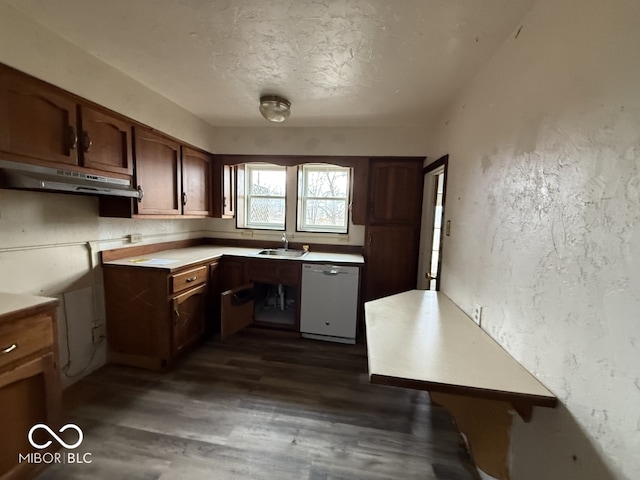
x: 274, y: 108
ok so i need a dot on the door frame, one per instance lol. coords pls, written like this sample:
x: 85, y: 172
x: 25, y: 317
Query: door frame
x: 426, y: 234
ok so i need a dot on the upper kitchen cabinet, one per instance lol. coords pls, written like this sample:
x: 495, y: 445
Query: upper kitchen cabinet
x: 395, y: 191
x: 174, y: 180
x: 224, y: 189
x: 197, y: 169
x: 105, y: 141
x: 38, y: 122
x: 158, y: 173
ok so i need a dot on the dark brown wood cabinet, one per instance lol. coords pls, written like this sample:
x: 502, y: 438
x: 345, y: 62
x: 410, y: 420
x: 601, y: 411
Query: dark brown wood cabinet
x: 189, y: 310
x: 395, y: 192
x: 42, y: 124
x: 153, y: 314
x: 158, y: 173
x: 29, y: 385
x: 38, y: 122
x: 197, y: 168
x: 392, y: 259
x: 224, y: 189
x: 105, y: 141
x: 392, y: 234
x: 174, y: 180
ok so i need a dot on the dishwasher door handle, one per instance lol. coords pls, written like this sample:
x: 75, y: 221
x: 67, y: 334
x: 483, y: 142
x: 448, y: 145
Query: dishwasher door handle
x: 333, y: 271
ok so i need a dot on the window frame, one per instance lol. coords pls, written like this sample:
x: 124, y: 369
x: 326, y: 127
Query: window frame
x: 303, y: 172
x: 243, y: 197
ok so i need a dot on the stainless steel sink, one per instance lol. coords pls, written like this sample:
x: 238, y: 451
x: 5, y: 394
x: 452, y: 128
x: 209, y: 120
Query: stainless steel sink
x: 282, y: 252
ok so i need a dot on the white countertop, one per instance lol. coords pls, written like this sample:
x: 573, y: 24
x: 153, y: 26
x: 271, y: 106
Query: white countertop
x: 421, y: 339
x: 178, y: 258
x: 11, y: 303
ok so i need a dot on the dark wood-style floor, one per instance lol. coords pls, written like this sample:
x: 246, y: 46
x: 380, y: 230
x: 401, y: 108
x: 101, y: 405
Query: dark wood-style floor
x: 260, y: 407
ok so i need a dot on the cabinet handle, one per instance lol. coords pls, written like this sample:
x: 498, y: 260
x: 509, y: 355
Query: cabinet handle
x: 73, y: 138
x: 224, y: 203
x: 140, y: 194
x: 369, y: 241
x: 86, y: 142
x: 176, y: 317
x: 191, y: 279
x: 10, y: 348
x: 184, y: 198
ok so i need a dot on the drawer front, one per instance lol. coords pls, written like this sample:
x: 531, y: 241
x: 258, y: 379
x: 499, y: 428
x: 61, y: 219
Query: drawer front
x: 23, y: 337
x: 190, y: 278
x: 274, y: 271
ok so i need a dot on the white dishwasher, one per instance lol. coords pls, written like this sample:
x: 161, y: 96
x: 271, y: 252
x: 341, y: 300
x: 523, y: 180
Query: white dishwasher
x: 329, y: 302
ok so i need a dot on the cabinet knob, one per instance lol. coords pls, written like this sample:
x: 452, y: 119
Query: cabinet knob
x: 9, y: 349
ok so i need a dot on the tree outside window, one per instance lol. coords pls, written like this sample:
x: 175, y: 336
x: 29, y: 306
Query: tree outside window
x: 265, y: 191
x: 323, y: 197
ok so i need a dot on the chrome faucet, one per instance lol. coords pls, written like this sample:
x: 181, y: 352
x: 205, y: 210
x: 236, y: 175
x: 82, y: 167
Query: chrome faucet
x: 285, y: 241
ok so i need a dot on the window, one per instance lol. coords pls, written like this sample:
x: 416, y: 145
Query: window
x: 262, y: 196
x: 322, y: 192
x: 323, y: 198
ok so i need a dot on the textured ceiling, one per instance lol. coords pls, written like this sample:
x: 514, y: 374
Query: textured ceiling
x: 340, y: 62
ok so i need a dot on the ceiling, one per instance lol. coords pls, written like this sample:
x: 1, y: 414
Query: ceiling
x: 339, y: 62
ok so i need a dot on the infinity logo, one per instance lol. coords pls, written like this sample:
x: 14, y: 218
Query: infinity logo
x: 52, y: 433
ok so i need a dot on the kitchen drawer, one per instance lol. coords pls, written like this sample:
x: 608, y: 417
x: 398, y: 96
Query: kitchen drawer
x: 22, y: 338
x: 274, y: 271
x: 190, y: 278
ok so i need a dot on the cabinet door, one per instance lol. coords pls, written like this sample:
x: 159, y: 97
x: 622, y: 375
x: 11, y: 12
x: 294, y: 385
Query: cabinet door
x: 105, y: 141
x: 157, y: 173
x: 228, y: 191
x: 188, y: 317
x: 29, y: 394
x: 196, y: 182
x: 391, y: 255
x: 37, y: 121
x: 395, y: 191
x: 236, y: 311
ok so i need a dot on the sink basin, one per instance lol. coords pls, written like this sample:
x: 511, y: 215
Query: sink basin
x: 282, y: 252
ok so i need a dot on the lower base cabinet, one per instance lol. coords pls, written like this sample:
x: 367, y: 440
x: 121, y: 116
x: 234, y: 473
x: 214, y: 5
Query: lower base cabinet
x: 153, y: 315
x: 30, y: 390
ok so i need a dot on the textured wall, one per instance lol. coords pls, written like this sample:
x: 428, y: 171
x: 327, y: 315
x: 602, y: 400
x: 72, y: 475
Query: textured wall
x: 544, y: 202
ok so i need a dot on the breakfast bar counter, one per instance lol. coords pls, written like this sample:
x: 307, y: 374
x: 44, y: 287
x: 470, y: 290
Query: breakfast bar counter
x: 422, y: 340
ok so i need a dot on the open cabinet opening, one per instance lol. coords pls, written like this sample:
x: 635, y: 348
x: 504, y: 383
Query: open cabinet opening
x: 275, y: 304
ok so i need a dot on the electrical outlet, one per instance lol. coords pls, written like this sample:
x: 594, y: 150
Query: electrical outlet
x: 477, y: 313
x: 99, y: 332
x: 135, y: 238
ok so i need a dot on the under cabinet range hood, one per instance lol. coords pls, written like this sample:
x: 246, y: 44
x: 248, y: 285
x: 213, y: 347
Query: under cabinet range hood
x: 24, y: 176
